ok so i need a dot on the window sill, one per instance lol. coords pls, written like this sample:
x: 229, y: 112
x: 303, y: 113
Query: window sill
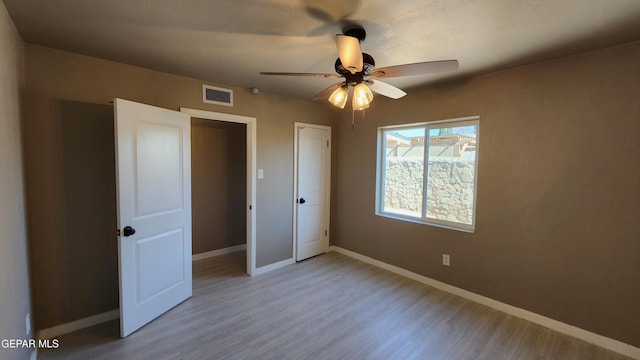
x: 420, y: 221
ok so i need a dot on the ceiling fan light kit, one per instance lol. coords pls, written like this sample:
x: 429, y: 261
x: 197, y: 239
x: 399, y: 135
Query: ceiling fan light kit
x: 338, y: 97
x: 358, y: 70
x: 362, y: 96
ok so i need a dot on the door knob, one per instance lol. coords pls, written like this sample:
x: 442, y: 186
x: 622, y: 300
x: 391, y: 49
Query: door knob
x: 302, y: 201
x: 128, y: 231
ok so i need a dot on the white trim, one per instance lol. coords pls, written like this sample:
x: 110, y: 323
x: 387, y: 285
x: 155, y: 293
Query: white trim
x: 294, y: 243
x: 251, y: 173
x: 433, y: 122
x: 265, y: 269
x: 327, y: 209
x: 212, y: 115
x: 419, y: 221
x: 590, y: 337
x: 78, y: 324
x: 218, y: 252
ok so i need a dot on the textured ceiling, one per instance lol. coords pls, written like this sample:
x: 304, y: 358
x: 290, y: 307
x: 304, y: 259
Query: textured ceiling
x: 231, y: 41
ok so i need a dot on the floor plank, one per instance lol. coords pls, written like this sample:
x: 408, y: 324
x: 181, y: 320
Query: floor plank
x: 327, y: 307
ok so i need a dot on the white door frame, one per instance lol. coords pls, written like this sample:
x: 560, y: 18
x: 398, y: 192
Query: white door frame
x: 251, y: 174
x: 296, y: 131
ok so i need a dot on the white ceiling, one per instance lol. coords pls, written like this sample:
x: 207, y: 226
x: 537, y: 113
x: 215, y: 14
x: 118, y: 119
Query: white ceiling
x: 231, y: 41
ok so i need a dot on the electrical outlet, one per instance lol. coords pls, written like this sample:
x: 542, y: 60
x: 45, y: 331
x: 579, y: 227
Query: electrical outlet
x: 27, y: 322
x: 446, y: 260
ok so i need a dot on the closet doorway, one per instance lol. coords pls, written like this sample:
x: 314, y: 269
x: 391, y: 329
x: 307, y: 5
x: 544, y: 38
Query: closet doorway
x: 229, y: 195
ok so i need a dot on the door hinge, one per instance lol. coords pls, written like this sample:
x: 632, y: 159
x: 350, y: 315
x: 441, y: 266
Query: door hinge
x: 117, y: 232
x: 327, y: 143
x: 250, y: 208
x: 326, y: 232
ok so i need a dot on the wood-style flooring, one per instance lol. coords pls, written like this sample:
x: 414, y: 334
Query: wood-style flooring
x: 327, y: 307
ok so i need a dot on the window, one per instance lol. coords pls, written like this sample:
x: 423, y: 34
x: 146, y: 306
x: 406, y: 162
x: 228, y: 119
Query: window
x: 427, y: 172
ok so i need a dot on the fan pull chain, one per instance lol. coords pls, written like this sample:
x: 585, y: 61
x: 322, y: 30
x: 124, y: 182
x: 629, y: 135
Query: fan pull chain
x: 353, y: 119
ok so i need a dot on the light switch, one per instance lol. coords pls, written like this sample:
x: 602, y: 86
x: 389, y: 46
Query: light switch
x: 260, y: 173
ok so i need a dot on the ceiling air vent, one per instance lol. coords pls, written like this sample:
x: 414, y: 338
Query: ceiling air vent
x: 216, y: 95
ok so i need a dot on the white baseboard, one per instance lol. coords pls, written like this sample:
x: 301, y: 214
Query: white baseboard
x: 78, y: 324
x: 218, y: 252
x: 590, y: 337
x: 271, y: 267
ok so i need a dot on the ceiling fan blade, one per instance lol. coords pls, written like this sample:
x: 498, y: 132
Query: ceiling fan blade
x: 428, y: 67
x: 349, y: 52
x: 328, y: 76
x: 326, y: 92
x: 385, y: 89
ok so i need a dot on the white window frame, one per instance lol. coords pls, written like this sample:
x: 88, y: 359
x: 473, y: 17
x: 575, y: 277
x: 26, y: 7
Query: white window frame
x: 380, y: 173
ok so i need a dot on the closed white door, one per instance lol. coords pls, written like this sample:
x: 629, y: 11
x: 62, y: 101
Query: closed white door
x: 153, y: 155
x: 313, y: 166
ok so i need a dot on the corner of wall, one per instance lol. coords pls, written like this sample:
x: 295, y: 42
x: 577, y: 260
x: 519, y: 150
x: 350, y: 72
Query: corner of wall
x: 15, y: 293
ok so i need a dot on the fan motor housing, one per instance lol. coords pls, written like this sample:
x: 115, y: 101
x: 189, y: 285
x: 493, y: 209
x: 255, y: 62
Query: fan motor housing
x: 368, y: 64
x: 357, y: 32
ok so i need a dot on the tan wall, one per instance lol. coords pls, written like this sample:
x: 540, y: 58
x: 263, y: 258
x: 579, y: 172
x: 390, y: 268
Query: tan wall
x: 15, y: 301
x: 55, y: 76
x: 218, y: 184
x: 89, y: 253
x: 558, y: 190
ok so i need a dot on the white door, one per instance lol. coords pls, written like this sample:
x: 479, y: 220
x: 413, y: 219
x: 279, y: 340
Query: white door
x: 153, y: 156
x: 313, y: 166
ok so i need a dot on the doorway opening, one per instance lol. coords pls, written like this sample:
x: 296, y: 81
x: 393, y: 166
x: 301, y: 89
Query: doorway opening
x: 218, y: 188
x: 231, y: 124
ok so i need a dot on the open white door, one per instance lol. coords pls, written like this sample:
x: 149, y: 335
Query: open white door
x: 312, y: 169
x: 153, y: 156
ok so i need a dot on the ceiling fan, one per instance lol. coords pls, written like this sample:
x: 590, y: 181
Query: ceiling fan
x: 358, y: 70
